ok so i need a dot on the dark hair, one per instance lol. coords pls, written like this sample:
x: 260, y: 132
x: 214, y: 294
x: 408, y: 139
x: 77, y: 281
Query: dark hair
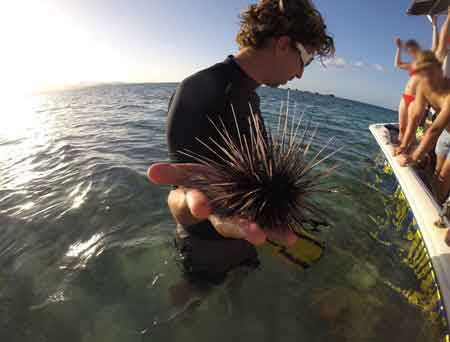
x: 298, y: 19
x: 412, y: 44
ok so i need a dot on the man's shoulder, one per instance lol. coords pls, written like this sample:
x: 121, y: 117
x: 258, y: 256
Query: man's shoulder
x: 447, y: 99
x: 210, y: 81
x: 424, y: 88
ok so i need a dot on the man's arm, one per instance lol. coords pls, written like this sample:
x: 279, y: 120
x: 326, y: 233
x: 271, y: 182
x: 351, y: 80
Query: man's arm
x: 432, y: 134
x: 188, y: 121
x: 414, y: 119
x: 442, y: 49
x: 190, y: 206
x: 398, y: 56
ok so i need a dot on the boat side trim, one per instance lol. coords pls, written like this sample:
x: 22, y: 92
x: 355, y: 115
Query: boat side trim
x: 426, y: 212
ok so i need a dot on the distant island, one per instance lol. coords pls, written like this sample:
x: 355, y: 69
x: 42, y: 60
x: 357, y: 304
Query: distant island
x: 76, y: 86
x: 311, y: 93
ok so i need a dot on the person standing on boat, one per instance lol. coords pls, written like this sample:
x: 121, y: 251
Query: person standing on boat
x: 278, y: 39
x: 440, y: 48
x: 442, y: 170
x: 412, y: 49
x: 434, y: 89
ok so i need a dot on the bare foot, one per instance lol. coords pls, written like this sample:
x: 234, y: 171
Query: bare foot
x: 447, y: 238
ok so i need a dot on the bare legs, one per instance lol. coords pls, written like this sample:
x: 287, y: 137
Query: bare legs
x: 441, y: 184
x: 402, y: 119
x: 441, y: 180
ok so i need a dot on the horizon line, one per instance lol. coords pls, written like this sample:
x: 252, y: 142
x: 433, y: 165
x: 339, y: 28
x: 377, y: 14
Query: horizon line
x: 86, y: 85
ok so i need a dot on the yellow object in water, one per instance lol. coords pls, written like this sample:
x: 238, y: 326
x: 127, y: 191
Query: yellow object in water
x: 420, y: 132
x: 305, y: 252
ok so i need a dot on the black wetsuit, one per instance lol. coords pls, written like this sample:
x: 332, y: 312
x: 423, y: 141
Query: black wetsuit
x: 206, y: 95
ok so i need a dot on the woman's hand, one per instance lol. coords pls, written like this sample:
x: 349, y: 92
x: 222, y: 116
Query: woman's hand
x: 190, y: 206
x: 404, y: 159
x: 398, y: 43
x: 398, y: 150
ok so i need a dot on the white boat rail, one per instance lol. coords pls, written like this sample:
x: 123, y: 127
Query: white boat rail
x: 426, y: 212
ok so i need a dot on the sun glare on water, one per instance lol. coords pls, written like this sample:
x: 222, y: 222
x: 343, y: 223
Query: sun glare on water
x: 48, y: 47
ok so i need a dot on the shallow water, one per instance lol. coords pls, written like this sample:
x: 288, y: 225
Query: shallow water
x: 86, y: 242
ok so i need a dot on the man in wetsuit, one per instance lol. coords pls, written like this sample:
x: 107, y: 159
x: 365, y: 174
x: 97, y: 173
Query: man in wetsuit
x: 277, y: 39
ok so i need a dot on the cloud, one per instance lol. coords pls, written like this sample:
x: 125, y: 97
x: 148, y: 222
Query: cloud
x: 335, y: 62
x: 378, y: 67
x: 341, y: 63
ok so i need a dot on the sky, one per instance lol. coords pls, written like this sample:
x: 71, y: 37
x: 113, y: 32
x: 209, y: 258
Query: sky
x: 61, y: 42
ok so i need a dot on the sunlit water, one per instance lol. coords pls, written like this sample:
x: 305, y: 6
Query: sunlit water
x: 86, y: 242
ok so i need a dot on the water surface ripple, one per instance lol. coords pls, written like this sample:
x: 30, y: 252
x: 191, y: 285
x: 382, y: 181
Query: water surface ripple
x: 86, y: 242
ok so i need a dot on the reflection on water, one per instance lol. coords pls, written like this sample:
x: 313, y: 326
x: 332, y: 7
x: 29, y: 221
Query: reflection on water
x: 18, y: 117
x: 84, y: 250
x: 23, y: 133
x: 79, y: 195
x: 86, y: 243
x: 426, y: 296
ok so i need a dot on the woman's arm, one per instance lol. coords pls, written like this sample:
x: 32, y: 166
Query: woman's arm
x: 435, y: 37
x: 398, y: 56
x: 432, y: 134
x: 442, y: 48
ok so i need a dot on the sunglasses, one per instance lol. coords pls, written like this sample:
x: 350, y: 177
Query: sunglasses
x: 305, y: 56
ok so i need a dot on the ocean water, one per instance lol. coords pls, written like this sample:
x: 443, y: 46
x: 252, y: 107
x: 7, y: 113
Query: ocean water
x: 86, y: 242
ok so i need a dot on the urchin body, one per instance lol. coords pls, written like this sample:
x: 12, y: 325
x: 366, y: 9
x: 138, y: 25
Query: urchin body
x: 265, y: 179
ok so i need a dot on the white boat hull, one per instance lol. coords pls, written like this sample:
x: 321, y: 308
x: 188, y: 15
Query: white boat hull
x: 426, y: 212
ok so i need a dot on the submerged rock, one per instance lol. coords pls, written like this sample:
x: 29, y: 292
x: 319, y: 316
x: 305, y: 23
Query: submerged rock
x: 363, y: 277
x: 345, y: 311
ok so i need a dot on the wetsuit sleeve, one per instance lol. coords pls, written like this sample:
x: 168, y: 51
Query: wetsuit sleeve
x: 188, y: 120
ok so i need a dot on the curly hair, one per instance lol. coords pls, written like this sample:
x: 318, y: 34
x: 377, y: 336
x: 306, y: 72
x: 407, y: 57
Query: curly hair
x: 298, y: 19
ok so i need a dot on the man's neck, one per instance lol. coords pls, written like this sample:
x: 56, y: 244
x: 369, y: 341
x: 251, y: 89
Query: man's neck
x: 437, y: 93
x: 253, y: 63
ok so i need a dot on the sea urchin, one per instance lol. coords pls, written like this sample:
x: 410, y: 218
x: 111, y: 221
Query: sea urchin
x: 265, y: 178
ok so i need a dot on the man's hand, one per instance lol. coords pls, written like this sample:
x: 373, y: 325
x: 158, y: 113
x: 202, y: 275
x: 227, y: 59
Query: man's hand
x: 434, y: 20
x: 404, y: 160
x: 237, y: 228
x: 398, y: 42
x: 190, y: 206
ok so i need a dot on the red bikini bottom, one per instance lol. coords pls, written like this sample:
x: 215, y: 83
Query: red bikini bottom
x: 408, y: 99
